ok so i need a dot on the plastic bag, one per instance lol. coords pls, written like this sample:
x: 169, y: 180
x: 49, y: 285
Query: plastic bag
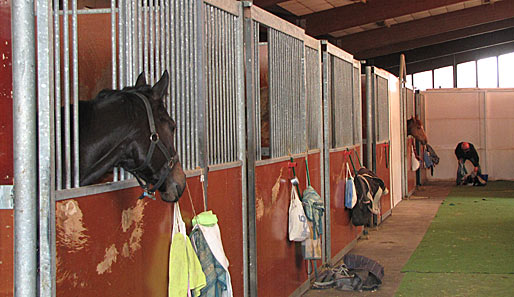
x: 298, y: 227
x: 350, y: 197
x: 414, y: 160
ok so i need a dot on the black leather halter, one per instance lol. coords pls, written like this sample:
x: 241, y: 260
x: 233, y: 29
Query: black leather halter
x: 154, y: 141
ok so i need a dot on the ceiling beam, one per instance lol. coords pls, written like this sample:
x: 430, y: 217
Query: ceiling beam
x: 426, y: 27
x: 348, y: 16
x: 434, y: 39
x: 449, y: 50
x: 267, y: 3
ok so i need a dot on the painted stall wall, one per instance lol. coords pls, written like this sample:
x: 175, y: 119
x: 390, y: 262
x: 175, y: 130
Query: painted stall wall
x: 112, y: 243
x: 280, y: 265
x: 342, y: 231
x: 6, y: 150
x: 6, y: 124
x: 484, y: 117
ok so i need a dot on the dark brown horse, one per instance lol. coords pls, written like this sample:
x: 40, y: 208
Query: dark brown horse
x: 130, y: 128
x: 415, y: 129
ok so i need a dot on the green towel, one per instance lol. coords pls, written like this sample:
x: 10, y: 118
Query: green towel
x: 184, y: 268
x: 206, y: 218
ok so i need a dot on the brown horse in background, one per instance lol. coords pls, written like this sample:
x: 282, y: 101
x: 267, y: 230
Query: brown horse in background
x: 415, y: 129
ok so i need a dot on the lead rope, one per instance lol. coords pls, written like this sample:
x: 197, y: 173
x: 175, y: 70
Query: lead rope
x: 190, y: 199
x: 202, y: 180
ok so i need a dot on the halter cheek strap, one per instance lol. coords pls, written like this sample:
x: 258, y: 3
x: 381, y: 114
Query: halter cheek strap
x: 154, y: 141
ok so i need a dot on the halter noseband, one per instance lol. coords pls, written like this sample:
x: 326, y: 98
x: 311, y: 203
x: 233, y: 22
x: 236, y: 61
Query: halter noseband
x: 154, y: 141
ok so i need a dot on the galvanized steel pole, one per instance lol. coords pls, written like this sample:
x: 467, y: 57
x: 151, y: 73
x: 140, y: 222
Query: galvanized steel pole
x: 369, y: 122
x: 24, y: 144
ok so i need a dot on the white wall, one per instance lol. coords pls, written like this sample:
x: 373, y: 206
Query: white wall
x: 484, y: 117
x: 395, y: 136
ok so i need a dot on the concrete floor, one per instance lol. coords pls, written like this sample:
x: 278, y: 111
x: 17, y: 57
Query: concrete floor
x: 392, y: 243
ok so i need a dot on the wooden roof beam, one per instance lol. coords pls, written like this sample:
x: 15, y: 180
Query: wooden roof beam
x: 423, y: 28
x: 434, y: 39
x: 348, y: 16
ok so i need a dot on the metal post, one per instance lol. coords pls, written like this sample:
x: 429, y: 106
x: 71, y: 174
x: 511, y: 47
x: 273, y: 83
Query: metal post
x: 403, y: 126
x: 250, y: 223
x: 327, y: 143
x: 46, y: 153
x: 202, y: 103
x: 369, y: 122
x: 24, y: 145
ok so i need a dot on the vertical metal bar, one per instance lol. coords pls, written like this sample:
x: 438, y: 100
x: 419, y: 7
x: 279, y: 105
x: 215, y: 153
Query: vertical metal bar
x: 146, y: 35
x: 58, y: 114
x: 158, y: 72
x: 140, y: 37
x: 67, y: 122
x: 114, y: 51
x: 46, y: 150
x: 224, y: 97
x: 129, y: 36
x: 326, y: 153
x: 121, y: 45
x: 273, y: 67
x: 239, y: 64
x: 151, y: 48
x: 167, y: 52
x: 257, y: 93
x: 250, y: 223
x: 199, y: 81
x: 25, y: 148
x: 113, y: 42
x: 75, y: 54
x: 369, y: 114
x: 162, y: 8
x: 233, y: 85
x: 217, y: 86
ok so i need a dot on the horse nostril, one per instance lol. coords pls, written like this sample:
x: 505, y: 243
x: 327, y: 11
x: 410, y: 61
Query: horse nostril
x: 180, y: 190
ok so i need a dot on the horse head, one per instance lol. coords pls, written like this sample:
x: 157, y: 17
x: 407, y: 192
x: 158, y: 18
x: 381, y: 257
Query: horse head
x: 140, y: 138
x: 415, y: 128
x: 163, y: 169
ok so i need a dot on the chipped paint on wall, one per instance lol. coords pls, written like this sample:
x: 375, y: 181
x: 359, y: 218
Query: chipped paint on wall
x: 276, y: 187
x: 70, y: 228
x: 133, y: 217
x: 110, y: 257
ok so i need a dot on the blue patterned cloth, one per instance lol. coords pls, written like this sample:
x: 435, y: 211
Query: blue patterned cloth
x: 215, y: 274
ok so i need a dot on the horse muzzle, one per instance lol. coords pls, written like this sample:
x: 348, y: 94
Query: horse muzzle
x: 175, y: 184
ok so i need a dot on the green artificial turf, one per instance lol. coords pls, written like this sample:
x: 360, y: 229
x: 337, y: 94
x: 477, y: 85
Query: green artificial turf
x: 456, y: 285
x: 468, y: 249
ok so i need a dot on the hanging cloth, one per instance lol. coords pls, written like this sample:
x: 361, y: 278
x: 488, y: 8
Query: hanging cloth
x: 185, y: 270
x: 206, y: 238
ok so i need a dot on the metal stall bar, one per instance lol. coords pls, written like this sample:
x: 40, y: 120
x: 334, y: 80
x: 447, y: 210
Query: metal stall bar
x: 357, y: 105
x: 249, y: 225
x: 57, y: 94
x: 75, y: 56
x: 257, y: 93
x: 46, y: 110
x: 313, y: 92
x: 220, y: 78
x: 287, y: 94
x: 341, y: 96
x: 326, y: 148
x: 25, y: 148
x: 369, y: 115
x: 67, y: 121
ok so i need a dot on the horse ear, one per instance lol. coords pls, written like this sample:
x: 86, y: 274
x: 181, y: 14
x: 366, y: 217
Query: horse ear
x: 141, y: 80
x: 160, y: 88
